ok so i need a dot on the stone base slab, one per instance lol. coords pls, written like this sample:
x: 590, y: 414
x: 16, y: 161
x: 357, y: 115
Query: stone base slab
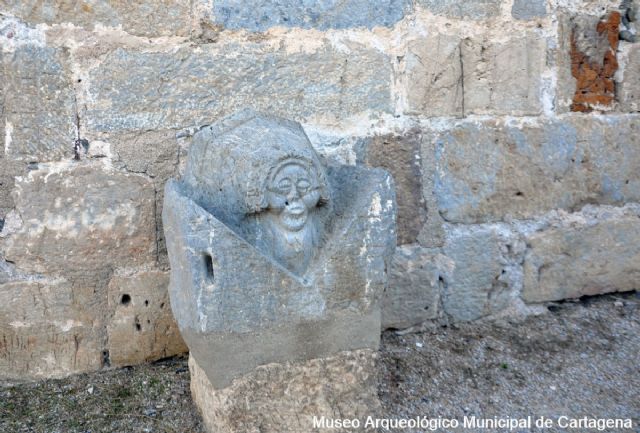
x: 285, y: 397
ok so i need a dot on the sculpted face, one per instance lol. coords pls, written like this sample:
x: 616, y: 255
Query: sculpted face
x: 292, y: 193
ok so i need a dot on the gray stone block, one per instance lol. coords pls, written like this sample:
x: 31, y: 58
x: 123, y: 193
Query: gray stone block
x: 80, y: 221
x: 39, y: 104
x: 416, y: 279
x: 447, y: 75
x: 487, y: 274
x: 142, y: 17
x: 488, y: 171
x: 529, y: 9
x: 474, y: 9
x: 274, y: 257
x: 141, y: 327
x: 194, y: 87
x: 322, y: 14
x: 593, y: 252
x: 43, y: 332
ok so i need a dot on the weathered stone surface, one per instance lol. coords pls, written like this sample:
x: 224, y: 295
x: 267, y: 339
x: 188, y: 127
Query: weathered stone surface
x: 503, y: 77
x: 416, y: 278
x: 475, y: 9
x: 434, y: 75
x: 81, y: 221
x: 488, y: 271
x: 594, y: 252
x: 400, y: 156
x: 316, y: 239
x: 142, y: 327
x: 450, y: 76
x: 628, y: 87
x: 286, y: 397
x: 39, y: 104
x: 324, y: 14
x: 489, y: 171
x: 255, y: 74
x: 529, y: 9
x: 8, y: 171
x: 143, y: 18
x: 44, y: 332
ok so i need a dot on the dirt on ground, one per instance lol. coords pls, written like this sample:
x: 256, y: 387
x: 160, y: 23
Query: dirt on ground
x: 580, y: 359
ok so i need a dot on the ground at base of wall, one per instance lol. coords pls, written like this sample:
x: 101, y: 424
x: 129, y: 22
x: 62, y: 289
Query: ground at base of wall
x: 578, y: 360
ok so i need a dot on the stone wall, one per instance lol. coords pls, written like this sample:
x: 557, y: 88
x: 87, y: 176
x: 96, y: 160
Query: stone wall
x: 510, y: 127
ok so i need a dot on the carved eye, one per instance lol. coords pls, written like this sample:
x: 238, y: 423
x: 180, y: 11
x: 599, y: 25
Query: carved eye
x: 303, y: 186
x: 284, y: 186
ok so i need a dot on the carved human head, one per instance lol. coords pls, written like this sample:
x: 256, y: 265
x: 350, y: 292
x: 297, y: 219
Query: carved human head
x: 293, y: 191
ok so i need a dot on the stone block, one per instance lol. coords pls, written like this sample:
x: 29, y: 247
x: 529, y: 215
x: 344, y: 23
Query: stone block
x: 416, y: 279
x: 81, y: 221
x: 43, y: 332
x: 487, y: 171
x: 286, y: 397
x: 529, y: 9
x: 314, y: 288
x: 155, y: 154
x: 451, y: 76
x: 472, y: 9
x: 434, y: 76
x: 596, y: 251
x: 326, y: 14
x: 141, y: 18
x: 193, y: 87
x: 142, y: 327
x: 487, y: 276
x: 628, y: 85
x: 400, y: 156
x: 503, y: 77
x: 39, y: 104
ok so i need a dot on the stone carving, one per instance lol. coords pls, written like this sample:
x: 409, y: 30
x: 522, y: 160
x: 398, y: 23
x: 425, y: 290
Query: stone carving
x: 275, y: 256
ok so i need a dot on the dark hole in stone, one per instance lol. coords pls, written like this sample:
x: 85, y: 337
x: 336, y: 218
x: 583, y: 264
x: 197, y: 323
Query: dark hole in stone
x: 148, y: 321
x: 138, y: 327
x: 105, y: 358
x: 1, y: 224
x: 126, y: 299
x: 208, y: 263
x: 286, y: 203
x: 626, y: 182
x: 426, y: 308
x: 146, y: 303
x: 162, y: 305
x: 79, y: 80
x: 519, y: 194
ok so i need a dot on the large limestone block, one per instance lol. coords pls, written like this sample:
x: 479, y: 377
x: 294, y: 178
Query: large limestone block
x: 142, y: 17
x: 416, y: 279
x: 192, y: 87
x: 591, y: 253
x: 326, y: 14
x: 487, y: 274
x: 142, y: 327
x: 44, y: 332
x: 488, y: 171
x: 81, y: 221
x: 452, y: 76
x: 286, y: 397
x: 39, y: 116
